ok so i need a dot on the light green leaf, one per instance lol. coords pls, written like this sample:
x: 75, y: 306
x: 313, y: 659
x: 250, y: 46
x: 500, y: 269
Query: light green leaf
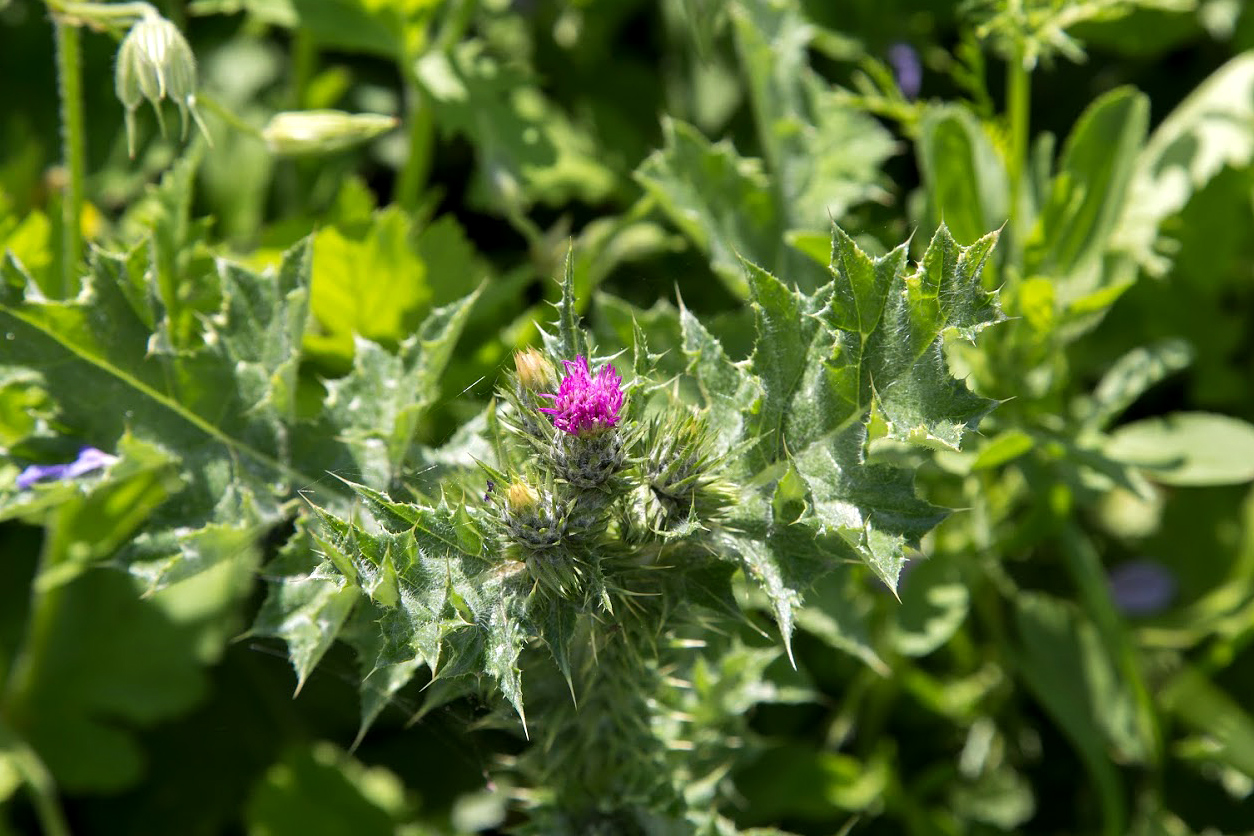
x: 1087, y: 196
x: 934, y: 602
x: 528, y: 149
x: 1133, y: 374
x: 319, y: 790
x: 1212, y: 128
x: 373, y: 285
x: 718, y: 199
x: 967, y: 186
x: 1187, y: 448
x: 824, y: 155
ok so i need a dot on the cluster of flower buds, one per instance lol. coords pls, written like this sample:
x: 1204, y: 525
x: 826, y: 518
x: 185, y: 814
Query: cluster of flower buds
x: 592, y: 477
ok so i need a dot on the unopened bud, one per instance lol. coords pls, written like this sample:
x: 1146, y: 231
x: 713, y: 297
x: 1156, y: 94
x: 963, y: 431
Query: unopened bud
x: 322, y: 131
x: 156, y: 63
x: 534, y: 371
x: 521, y: 497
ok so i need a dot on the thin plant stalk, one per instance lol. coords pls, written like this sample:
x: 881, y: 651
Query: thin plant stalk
x: 1018, y: 95
x: 73, y: 156
x: 38, y: 781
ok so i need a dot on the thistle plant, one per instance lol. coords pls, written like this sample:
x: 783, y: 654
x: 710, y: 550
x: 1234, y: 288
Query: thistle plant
x: 623, y: 513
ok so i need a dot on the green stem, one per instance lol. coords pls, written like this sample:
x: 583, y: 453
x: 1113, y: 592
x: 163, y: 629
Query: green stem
x: 1018, y: 94
x: 37, y: 778
x: 45, y: 612
x: 228, y: 116
x: 69, y: 76
x: 417, y: 168
x: 421, y: 120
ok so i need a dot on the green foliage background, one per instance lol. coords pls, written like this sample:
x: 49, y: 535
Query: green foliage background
x: 294, y: 356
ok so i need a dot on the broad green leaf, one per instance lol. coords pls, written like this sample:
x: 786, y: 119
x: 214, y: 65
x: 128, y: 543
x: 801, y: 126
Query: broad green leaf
x: 319, y: 790
x: 112, y: 663
x: 221, y: 408
x: 934, y: 603
x: 967, y: 186
x: 1212, y: 128
x: 226, y: 408
x: 528, y: 150
x: 374, y: 285
x: 1187, y: 448
x: 718, y: 199
x: 1087, y: 196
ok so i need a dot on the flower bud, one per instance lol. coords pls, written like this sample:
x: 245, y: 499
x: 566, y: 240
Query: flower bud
x: 156, y: 63
x: 322, y: 131
x: 681, y: 472
x: 534, y: 371
x: 531, y: 518
x: 521, y: 497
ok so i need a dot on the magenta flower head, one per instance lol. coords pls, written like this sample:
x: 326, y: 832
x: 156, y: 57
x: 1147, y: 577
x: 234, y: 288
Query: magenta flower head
x: 585, y: 405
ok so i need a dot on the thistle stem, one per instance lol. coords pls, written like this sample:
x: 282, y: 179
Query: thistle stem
x: 69, y: 79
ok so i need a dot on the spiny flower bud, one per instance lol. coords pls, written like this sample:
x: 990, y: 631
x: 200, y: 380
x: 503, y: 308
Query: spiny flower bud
x: 532, y: 518
x: 681, y: 471
x: 535, y: 372
x: 521, y: 497
x: 156, y: 63
x: 322, y: 131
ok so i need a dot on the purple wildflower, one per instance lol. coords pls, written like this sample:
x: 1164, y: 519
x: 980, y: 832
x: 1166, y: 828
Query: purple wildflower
x: 585, y: 405
x: 906, y: 68
x: 1141, y: 587
x: 89, y: 459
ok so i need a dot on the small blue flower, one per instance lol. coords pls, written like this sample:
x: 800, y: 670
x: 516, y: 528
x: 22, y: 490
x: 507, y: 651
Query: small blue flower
x: 89, y: 459
x: 1141, y: 587
x: 906, y: 68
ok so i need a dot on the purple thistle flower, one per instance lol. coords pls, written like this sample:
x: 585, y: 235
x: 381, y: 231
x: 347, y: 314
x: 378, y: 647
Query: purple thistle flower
x: 585, y: 405
x: 89, y: 459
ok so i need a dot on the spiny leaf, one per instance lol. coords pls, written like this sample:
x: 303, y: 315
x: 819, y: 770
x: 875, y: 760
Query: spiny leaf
x: 867, y: 344
x: 377, y: 406
x: 436, y: 599
x: 570, y: 340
